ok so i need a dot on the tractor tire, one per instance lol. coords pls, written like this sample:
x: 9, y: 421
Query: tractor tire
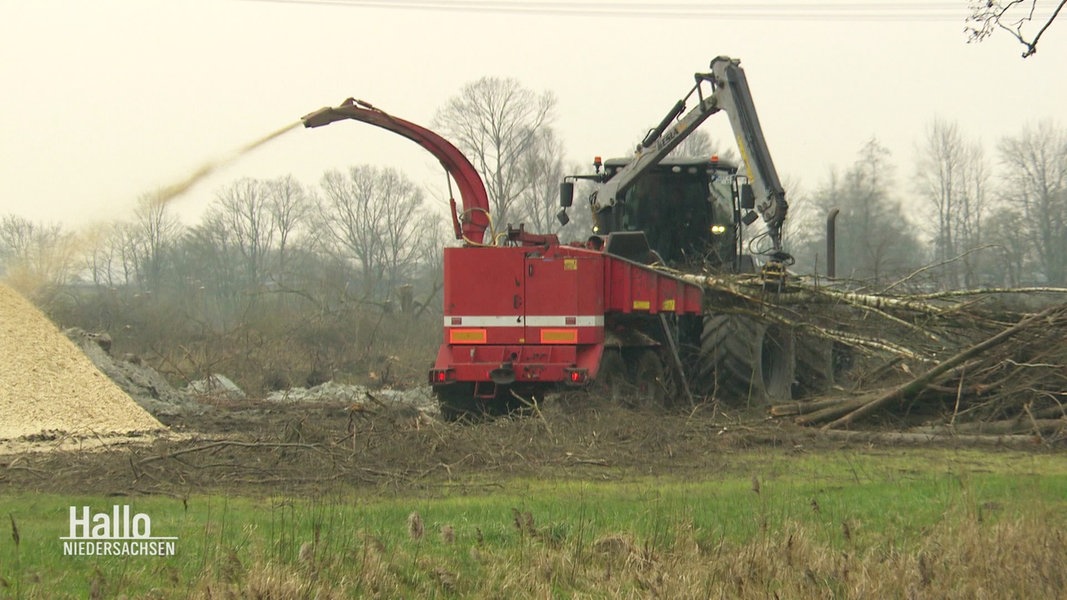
x: 652, y: 381
x: 746, y: 362
x: 457, y: 403
x: 612, y: 382
x: 843, y: 359
x: 815, y: 366
x: 517, y: 401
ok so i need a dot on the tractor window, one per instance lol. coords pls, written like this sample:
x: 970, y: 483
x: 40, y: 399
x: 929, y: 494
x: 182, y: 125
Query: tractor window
x: 722, y: 250
x: 720, y: 188
x: 673, y: 210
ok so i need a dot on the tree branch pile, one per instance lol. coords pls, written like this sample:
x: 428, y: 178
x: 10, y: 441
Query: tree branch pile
x: 975, y: 362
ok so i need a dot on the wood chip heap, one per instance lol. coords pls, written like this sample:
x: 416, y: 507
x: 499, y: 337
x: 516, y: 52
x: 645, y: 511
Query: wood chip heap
x: 47, y: 385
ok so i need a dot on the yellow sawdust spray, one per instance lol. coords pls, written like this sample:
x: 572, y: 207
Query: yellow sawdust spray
x: 53, y: 263
x: 168, y: 193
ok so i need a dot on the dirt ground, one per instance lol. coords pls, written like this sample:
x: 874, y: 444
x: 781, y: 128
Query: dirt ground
x: 254, y: 448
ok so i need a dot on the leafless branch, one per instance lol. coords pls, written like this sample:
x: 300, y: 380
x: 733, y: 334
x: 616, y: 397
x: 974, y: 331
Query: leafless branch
x: 989, y: 15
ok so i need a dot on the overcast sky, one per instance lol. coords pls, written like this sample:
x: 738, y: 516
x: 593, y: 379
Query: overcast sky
x: 106, y: 101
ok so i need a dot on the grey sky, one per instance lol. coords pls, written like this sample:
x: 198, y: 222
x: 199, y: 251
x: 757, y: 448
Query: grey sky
x: 107, y: 100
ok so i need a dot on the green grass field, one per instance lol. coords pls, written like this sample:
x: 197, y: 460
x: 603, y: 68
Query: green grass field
x: 828, y: 524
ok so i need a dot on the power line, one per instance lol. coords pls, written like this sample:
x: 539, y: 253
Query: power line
x: 765, y: 11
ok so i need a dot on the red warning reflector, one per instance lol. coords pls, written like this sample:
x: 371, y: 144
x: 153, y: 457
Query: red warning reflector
x: 466, y: 336
x: 439, y: 376
x: 559, y: 336
x: 576, y: 376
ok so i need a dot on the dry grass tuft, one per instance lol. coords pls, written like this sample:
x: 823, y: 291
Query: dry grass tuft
x: 448, y: 535
x: 307, y: 554
x: 615, y: 546
x: 416, y: 529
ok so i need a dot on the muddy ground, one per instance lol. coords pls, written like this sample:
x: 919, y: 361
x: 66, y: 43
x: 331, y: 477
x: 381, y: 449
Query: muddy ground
x: 254, y: 448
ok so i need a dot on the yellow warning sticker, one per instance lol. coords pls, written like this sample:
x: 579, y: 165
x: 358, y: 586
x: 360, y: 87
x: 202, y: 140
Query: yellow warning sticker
x: 466, y: 336
x: 559, y: 336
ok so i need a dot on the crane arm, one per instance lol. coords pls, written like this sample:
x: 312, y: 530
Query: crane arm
x: 731, y: 87
x: 472, y: 223
x: 657, y: 145
x: 729, y: 93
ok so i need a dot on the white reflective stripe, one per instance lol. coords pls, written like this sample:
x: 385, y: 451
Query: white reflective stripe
x: 518, y: 321
x: 512, y: 321
x: 590, y: 321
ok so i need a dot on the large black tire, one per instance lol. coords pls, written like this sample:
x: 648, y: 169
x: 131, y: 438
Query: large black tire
x: 457, y: 403
x: 650, y: 381
x: 635, y: 378
x: 815, y: 365
x: 843, y: 359
x: 612, y: 382
x: 517, y: 401
x: 746, y: 362
x: 654, y: 385
x: 822, y: 365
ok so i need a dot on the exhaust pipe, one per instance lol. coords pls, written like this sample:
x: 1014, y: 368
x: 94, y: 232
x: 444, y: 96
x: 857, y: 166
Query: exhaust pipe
x: 831, y: 243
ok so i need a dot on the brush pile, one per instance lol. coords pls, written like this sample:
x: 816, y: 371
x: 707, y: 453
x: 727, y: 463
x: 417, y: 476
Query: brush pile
x: 990, y: 362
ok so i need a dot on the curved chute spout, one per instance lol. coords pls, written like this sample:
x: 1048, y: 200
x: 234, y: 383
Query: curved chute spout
x: 470, y: 224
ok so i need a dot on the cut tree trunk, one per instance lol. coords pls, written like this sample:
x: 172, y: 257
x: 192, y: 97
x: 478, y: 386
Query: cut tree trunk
x: 919, y: 383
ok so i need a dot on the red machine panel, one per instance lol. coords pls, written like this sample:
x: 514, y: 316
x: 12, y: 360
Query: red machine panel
x: 483, y: 296
x: 632, y: 287
x: 564, y: 297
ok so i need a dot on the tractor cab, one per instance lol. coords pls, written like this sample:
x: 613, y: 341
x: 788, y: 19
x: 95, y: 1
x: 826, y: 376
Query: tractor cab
x: 687, y: 208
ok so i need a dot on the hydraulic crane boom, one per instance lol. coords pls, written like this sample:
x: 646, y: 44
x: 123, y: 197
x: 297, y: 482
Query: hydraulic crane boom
x: 471, y: 224
x: 729, y: 92
x: 736, y: 99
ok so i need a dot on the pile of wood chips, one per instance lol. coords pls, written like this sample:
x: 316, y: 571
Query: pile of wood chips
x: 48, y: 387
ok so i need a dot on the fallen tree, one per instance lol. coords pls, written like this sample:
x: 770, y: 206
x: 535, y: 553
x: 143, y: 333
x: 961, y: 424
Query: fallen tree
x: 919, y: 384
x: 934, y: 360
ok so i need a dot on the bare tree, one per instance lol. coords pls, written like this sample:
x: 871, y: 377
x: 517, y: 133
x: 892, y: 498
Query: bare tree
x: 246, y: 237
x: 429, y: 271
x: 243, y: 211
x: 953, y: 176
x: 33, y: 254
x: 539, y: 202
x: 155, y: 230
x: 104, y: 255
x: 495, y: 122
x: 875, y: 240
x: 401, y: 229
x: 940, y: 166
x: 975, y: 207
x: 1013, y: 251
x: 208, y: 258
x: 1036, y: 160
x: 17, y: 242
x: 125, y: 241
x: 372, y: 216
x: 290, y: 209
x: 1011, y: 16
